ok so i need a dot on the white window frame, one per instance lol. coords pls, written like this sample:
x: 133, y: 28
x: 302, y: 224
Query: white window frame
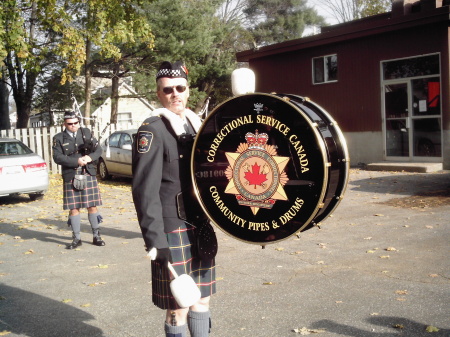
x: 326, y: 78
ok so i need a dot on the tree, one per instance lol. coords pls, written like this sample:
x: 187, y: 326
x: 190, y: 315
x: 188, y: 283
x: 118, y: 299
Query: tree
x: 348, y: 10
x: 36, y: 34
x: 274, y: 21
x: 103, y: 28
x: 4, y: 106
x: 189, y: 31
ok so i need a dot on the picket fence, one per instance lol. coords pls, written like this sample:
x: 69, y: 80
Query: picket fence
x: 40, y: 140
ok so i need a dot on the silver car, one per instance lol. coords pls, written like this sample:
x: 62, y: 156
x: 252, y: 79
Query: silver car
x: 21, y: 170
x: 116, y: 156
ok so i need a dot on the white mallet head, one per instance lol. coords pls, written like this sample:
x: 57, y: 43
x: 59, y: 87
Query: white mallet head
x: 242, y: 81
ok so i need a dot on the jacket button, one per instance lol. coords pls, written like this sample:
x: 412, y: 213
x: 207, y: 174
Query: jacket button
x: 181, y: 156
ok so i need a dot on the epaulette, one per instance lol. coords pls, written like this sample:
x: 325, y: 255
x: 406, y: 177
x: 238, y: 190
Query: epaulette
x: 151, y: 120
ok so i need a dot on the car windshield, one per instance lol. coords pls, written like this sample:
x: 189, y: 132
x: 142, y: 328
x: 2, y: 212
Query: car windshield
x: 13, y: 148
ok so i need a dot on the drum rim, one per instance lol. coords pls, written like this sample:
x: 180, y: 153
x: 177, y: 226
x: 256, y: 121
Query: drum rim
x: 319, y: 140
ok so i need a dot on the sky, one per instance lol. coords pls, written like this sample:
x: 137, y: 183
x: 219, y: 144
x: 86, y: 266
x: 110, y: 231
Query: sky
x: 322, y: 10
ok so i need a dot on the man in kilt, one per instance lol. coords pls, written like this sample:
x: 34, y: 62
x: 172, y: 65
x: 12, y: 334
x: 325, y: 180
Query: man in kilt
x: 166, y: 207
x: 75, y: 150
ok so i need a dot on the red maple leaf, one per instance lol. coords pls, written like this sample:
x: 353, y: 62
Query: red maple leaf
x: 254, y: 177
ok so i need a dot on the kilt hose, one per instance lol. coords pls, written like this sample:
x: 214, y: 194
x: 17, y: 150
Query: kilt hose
x: 88, y: 197
x: 184, y: 262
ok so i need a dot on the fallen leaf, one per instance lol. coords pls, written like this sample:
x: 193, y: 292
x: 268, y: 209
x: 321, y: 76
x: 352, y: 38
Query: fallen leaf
x: 378, y: 214
x: 401, y: 292
x: 4, y: 333
x: 433, y: 275
x: 399, y: 326
x: 305, y: 331
x: 279, y: 249
x: 66, y: 300
x: 384, y: 257
x: 431, y: 328
x: 85, y: 305
x: 391, y: 249
x: 267, y: 283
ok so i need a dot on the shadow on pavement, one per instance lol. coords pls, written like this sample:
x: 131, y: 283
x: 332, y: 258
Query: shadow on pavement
x: 404, y: 327
x: 416, y: 184
x: 25, y: 313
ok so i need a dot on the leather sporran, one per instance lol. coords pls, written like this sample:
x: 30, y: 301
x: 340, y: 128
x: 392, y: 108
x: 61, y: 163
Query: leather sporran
x: 79, y: 182
x: 206, y: 240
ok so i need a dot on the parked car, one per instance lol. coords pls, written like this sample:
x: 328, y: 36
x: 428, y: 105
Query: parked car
x: 116, y: 156
x: 21, y: 170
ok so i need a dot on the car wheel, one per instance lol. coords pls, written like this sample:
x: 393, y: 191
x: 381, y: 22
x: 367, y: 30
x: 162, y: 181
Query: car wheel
x: 36, y: 196
x: 102, y: 170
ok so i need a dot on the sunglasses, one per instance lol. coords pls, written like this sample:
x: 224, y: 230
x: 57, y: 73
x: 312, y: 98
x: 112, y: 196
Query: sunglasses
x: 72, y: 123
x: 169, y: 90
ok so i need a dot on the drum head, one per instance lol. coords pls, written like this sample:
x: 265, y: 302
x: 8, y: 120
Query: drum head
x: 260, y: 168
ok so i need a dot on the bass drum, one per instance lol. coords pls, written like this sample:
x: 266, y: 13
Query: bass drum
x: 267, y: 166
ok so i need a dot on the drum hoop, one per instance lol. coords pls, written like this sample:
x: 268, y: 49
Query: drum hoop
x: 319, y: 140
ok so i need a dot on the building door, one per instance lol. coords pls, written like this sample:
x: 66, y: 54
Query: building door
x: 412, y: 109
x: 397, y: 120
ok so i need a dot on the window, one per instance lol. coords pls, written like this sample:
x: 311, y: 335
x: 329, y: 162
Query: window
x: 325, y: 69
x: 114, y: 140
x: 124, y: 118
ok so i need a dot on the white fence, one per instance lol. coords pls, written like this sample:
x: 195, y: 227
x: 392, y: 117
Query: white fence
x: 40, y: 140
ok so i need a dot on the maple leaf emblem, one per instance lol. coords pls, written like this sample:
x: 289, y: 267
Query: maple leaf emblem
x: 254, y: 177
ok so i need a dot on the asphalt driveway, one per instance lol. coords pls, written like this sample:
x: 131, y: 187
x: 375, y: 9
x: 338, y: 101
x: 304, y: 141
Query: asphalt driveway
x: 379, y: 266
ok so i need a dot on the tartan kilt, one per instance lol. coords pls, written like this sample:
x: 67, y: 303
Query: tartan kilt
x: 184, y: 262
x: 88, y: 197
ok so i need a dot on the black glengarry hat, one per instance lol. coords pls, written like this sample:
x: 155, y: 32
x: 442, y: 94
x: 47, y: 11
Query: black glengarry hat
x: 172, y: 70
x: 70, y: 115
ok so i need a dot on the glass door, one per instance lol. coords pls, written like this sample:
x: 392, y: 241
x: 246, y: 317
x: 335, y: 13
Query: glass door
x: 397, y: 119
x: 412, y: 108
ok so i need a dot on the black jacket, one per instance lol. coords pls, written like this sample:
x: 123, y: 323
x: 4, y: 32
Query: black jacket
x: 162, y: 188
x: 65, y: 153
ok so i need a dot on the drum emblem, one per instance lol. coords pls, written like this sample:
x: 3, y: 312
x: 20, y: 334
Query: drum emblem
x: 256, y: 174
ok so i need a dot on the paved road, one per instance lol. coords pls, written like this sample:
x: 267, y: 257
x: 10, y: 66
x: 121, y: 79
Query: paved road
x: 378, y: 267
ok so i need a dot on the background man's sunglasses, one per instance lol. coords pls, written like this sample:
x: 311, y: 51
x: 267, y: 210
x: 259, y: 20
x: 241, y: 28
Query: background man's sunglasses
x: 169, y: 90
x: 72, y: 123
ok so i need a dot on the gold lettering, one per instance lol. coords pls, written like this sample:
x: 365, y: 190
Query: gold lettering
x: 235, y: 123
x: 224, y: 209
x: 258, y: 226
x: 292, y: 212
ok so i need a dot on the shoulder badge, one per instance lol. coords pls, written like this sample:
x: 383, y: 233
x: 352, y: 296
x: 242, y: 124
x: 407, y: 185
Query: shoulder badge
x: 144, y: 141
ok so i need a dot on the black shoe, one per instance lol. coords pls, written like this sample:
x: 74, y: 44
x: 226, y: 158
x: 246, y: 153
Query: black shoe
x: 98, y: 241
x: 75, y: 243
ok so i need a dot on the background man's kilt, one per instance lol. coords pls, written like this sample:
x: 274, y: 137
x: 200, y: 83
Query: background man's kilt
x: 88, y: 197
x: 184, y: 261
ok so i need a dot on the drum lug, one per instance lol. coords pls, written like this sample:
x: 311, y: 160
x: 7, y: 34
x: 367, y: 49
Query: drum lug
x: 328, y: 164
x: 321, y: 205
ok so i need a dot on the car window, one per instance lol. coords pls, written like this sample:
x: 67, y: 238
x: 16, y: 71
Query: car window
x: 114, y: 140
x: 126, y: 139
x: 13, y: 148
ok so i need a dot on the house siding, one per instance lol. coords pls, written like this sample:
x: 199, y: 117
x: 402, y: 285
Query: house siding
x: 355, y: 100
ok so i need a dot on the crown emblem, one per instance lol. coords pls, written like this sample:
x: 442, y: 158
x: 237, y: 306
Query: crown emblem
x: 256, y: 140
x: 258, y: 107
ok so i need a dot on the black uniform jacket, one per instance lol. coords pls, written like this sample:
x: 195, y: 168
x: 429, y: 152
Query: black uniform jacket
x: 65, y: 153
x: 162, y: 188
